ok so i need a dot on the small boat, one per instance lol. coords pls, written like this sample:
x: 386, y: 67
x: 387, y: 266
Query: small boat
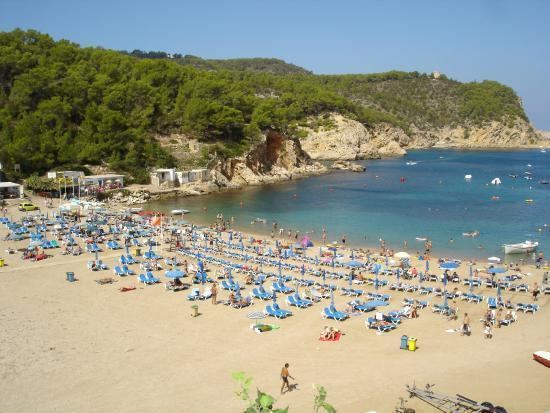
x: 496, y: 181
x: 468, y: 177
x: 542, y: 357
x: 471, y: 234
x: 179, y: 211
x: 495, y: 198
x: 529, y: 178
x: 512, y: 175
x: 135, y: 210
x: 421, y: 239
x: 529, y: 201
x: 259, y: 221
x: 520, y: 248
x: 411, y: 163
x: 543, y: 150
x: 544, y: 182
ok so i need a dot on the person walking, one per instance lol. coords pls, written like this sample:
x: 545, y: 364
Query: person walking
x: 536, y: 291
x: 284, y: 376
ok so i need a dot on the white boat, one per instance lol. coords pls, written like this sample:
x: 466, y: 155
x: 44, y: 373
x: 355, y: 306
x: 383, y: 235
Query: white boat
x: 259, y: 220
x: 471, y: 234
x: 468, y: 177
x: 496, y: 181
x: 522, y: 247
x: 135, y: 210
x: 421, y: 239
x: 411, y: 163
x: 543, y: 150
x: 179, y: 211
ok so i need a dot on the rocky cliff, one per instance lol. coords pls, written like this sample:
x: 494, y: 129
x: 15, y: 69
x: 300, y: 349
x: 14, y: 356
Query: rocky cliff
x: 347, y: 139
x: 277, y: 158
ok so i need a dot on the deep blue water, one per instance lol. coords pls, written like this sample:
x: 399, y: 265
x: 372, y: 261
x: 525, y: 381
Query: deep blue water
x: 435, y: 201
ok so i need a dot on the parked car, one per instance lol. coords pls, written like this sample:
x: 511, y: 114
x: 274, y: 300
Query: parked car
x: 27, y: 206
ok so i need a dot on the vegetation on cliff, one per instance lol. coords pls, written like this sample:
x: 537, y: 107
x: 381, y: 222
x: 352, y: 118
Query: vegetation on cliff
x: 62, y: 105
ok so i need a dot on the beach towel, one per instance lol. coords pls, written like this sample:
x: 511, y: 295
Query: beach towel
x: 336, y: 337
x: 262, y: 328
x: 125, y: 289
x: 102, y: 281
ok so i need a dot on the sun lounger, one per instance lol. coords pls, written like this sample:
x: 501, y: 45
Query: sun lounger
x: 118, y: 271
x: 381, y: 326
x: 151, y: 278
x: 270, y: 311
x: 257, y: 293
x: 492, y: 303
x: 127, y: 270
x: 527, y: 308
x: 277, y: 308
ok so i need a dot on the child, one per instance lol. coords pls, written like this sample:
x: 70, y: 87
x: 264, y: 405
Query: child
x: 487, y: 330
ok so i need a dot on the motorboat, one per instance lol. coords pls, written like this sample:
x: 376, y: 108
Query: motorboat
x: 468, y: 177
x: 542, y: 357
x: 471, y: 234
x: 259, y: 221
x: 421, y: 239
x: 512, y: 175
x: 544, y: 182
x: 180, y: 211
x: 411, y: 163
x: 520, y: 248
x: 496, y: 181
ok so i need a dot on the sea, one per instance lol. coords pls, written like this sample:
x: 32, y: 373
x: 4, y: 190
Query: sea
x: 423, y: 195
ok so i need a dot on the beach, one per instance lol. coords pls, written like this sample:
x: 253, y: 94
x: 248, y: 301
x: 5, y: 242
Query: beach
x: 90, y: 347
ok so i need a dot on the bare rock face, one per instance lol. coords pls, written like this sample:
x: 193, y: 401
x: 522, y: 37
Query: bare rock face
x: 351, y: 140
x: 495, y: 134
x: 277, y: 158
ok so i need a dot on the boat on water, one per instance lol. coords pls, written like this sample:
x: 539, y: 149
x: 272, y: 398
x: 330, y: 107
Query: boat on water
x: 468, y: 177
x: 259, y: 221
x: 471, y: 234
x: 520, y: 248
x: 496, y: 181
x: 421, y: 238
x: 180, y: 211
x: 542, y: 357
x: 544, y: 182
x: 135, y: 210
x: 512, y: 175
x: 411, y: 163
x: 543, y: 150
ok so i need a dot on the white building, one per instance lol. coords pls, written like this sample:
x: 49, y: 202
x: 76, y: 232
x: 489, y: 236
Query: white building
x: 10, y: 189
x: 164, y: 176
x: 104, y: 180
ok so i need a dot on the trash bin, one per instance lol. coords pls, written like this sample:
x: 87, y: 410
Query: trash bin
x: 404, y: 340
x: 412, y: 344
x: 137, y: 252
x: 70, y: 276
x: 1, y: 262
x: 195, y: 312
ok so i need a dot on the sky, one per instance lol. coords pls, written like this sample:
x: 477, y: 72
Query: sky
x: 468, y: 40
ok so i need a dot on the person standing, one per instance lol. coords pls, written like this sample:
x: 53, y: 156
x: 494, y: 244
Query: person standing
x: 536, y: 291
x: 214, y: 293
x: 284, y: 376
x: 466, y: 325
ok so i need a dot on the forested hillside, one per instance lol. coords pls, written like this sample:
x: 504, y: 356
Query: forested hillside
x: 62, y: 105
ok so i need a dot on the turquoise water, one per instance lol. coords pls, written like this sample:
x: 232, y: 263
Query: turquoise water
x: 435, y: 201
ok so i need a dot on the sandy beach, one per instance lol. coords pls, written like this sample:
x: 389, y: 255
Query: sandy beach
x: 89, y: 347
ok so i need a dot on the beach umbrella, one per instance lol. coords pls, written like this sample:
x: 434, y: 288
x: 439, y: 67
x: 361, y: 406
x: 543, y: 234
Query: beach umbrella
x: 376, y: 280
x: 449, y: 265
x: 445, y: 304
x: 126, y: 245
x: 274, y: 297
x: 303, y: 270
x: 496, y: 270
x: 376, y: 303
x: 471, y: 279
x: 350, y: 278
x: 427, y: 266
x: 499, y: 293
x: 280, y: 269
x: 204, y: 278
x: 333, y: 263
x: 200, y: 264
x: 96, y: 255
x: 331, y: 297
x: 402, y: 255
x: 397, y: 274
x: 256, y: 316
x: 352, y: 255
x: 324, y: 277
x: 354, y: 263
x: 387, y: 261
x: 420, y: 277
x: 175, y: 273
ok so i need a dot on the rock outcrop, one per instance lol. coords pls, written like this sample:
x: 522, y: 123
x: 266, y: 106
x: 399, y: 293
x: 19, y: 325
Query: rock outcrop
x: 516, y: 134
x: 350, y: 140
x: 348, y: 166
x: 277, y: 158
x: 347, y: 139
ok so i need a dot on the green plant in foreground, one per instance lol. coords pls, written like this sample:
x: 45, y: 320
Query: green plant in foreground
x: 263, y: 403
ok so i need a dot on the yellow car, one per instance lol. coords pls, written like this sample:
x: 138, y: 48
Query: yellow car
x: 27, y: 206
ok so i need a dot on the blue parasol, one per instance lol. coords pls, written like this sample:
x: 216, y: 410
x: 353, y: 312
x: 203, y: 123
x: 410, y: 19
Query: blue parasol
x: 398, y: 274
x: 96, y: 255
x: 175, y: 273
x: 499, y: 294
x: 427, y: 266
x: 331, y: 297
x: 350, y: 279
x: 449, y: 265
x: 496, y: 270
x: 324, y: 277
x: 354, y: 263
x: 376, y: 280
x: 375, y: 303
x: 333, y: 263
x: 274, y: 297
x: 387, y: 261
x: 471, y: 288
x: 200, y: 264
x: 303, y: 270
x: 280, y: 269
